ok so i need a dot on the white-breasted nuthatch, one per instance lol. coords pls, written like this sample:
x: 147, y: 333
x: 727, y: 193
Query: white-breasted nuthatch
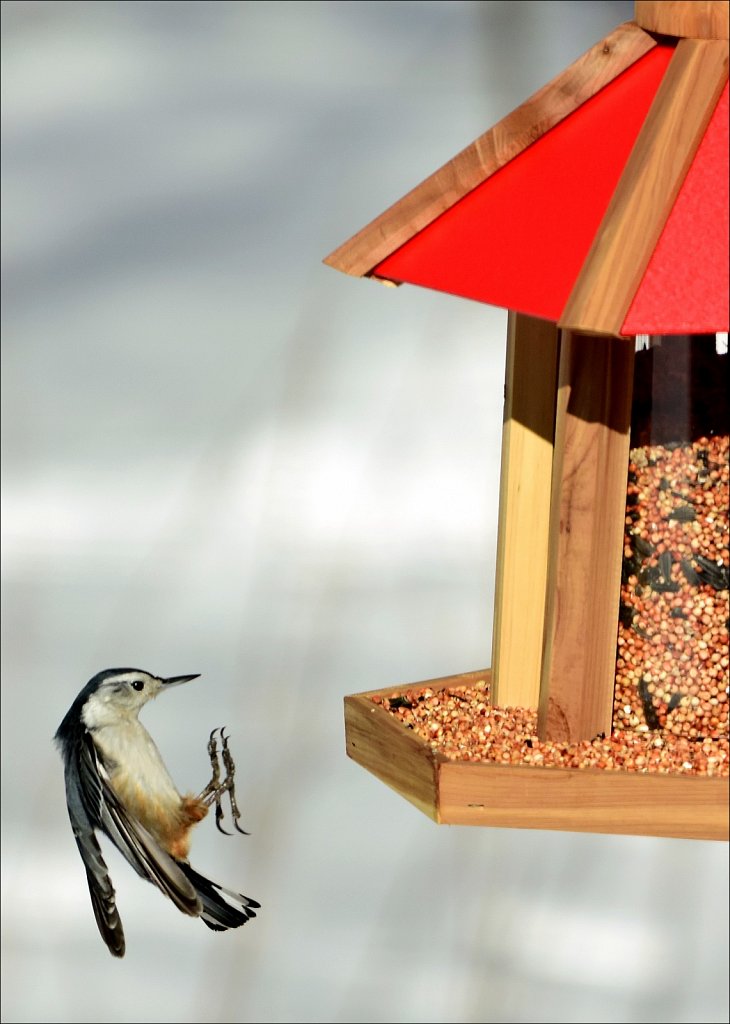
x: 117, y: 782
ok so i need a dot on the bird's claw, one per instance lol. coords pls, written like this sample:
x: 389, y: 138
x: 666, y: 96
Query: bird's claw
x: 215, y: 789
x: 219, y: 817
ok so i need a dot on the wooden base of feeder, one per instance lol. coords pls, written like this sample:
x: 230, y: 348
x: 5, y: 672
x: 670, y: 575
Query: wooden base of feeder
x: 523, y: 796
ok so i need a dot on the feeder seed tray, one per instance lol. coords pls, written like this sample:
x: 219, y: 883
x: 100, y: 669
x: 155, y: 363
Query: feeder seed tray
x: 523, y: 796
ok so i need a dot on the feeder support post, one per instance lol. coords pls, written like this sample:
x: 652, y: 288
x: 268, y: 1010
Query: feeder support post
x: 524, y: 510
x: 586, y: 536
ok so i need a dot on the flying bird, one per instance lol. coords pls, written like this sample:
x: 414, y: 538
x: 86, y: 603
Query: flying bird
x: 117, y: 783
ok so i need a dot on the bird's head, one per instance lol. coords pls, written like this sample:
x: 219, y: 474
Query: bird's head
x: 117, y: 694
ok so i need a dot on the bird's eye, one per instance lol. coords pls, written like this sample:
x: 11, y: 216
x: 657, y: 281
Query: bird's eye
x: 137, y: 684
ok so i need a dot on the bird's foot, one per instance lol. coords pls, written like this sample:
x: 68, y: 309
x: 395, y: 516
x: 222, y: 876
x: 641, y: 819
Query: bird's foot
x: 215, y: 790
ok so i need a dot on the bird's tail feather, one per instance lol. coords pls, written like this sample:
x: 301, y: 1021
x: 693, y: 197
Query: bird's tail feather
x: 222, y: 908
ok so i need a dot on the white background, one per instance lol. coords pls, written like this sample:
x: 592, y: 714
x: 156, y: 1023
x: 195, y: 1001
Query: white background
x: 222, y: 457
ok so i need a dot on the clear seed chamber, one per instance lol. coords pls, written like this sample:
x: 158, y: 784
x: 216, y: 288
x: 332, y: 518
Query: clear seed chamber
x: 672, y: 649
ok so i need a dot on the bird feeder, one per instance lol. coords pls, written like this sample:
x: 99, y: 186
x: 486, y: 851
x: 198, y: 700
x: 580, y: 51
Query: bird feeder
x: 597, y: 214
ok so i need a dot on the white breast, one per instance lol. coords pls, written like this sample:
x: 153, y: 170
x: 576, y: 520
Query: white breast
x: 134, y: 762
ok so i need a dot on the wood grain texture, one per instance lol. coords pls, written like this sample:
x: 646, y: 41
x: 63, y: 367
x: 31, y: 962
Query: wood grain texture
x: 698, y: 19
x: 506, y: 796
x: 524, y: 510
x: 586, y: 542
x: 399, y: 758
x: 492, y: 150
x: 585, y: 800
x: 648, y: 187
x: 378, y: 742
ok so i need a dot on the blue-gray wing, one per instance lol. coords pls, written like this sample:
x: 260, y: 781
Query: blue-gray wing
x: 97, y: 875
x: 93, y: 804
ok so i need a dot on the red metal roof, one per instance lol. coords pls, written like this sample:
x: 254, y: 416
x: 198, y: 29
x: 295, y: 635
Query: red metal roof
x: 685, y: 288
x: 601, y: 203
x: 520, y: 238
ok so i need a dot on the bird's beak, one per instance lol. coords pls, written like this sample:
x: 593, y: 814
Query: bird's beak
x: 176, y: 680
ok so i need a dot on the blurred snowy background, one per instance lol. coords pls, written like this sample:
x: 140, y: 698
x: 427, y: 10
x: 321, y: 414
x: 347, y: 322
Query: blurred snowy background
x: 220, y: 456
